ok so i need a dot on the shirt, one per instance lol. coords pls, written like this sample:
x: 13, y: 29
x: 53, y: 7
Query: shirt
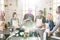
x: 16, y: 22
x: 29, y: 15
x: 42, y: 17
x: 57, y: 25
x: 51, y: 24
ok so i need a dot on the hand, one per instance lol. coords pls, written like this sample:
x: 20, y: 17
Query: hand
x: 26, y: 19
x: 49, y: 33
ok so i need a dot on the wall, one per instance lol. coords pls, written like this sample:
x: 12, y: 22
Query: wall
x: 17, y: 5
x: 1, y: 5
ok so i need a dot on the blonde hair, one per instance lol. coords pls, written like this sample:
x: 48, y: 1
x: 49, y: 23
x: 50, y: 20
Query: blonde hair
x: 50, y: 16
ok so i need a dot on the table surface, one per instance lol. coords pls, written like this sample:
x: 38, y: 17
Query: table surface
x: 54, y: 37
x: 28, y: 38
x: 18, y: 38
x: 6, y: 31
x: 33, y: 38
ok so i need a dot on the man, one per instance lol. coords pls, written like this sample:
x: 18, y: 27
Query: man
x: 40, y: 18
x: 57, y: 23
x: 40, y: 23
x: 29, y: 16
x: 28, y: 21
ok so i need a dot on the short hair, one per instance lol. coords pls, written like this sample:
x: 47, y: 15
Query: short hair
x: 41, y: 11
x: 14, y: 13
x: 59, y: 7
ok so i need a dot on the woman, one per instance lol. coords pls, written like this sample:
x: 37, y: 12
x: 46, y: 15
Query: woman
x: 2, y: 21
x: 49, y: 19
x: 15, y: 21
x: 57, y: 23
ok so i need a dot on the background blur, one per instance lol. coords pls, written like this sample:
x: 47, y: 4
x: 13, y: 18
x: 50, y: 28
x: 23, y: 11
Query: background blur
x: 22, y: 7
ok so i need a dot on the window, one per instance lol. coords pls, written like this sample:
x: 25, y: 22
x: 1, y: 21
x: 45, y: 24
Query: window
x: 29, y: 5
x: 25, y: 5
x: 1, y: 5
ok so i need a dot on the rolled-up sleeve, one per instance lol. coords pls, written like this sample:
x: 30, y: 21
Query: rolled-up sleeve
x: 56, y: 27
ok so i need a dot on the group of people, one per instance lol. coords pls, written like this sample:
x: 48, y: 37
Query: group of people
x: 39, y: 17
x: 40, y: 21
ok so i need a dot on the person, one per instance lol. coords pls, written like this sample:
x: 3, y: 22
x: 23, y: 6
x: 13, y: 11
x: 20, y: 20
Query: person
x: 57, y: 23
x: 2, y: 21
x: 28, y: 21
x: 2, y: 14
x: 49, y: 20
x: 40, y: 19
x: 40, y: 24
x: 14, y: 21
x: 28, y: 16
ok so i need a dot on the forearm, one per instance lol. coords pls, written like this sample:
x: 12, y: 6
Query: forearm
x: 56, y: 27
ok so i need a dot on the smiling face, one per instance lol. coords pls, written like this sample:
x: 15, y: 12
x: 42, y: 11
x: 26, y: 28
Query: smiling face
x: 58, y: 10
x: 40, y: 13
x: 14, y: 15
x: 49, y: 16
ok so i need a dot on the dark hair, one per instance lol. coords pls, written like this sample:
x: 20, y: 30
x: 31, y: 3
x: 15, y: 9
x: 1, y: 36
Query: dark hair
x: 59, y: 7
x: 14, y: 13
x: 58, y: 10
x: 49, y: 13
x: 41, y: 11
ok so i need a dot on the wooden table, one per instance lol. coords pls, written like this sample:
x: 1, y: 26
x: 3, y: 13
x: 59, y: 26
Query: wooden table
x: 5, y: 34
x: 55, y: 38
x: 28, y: 38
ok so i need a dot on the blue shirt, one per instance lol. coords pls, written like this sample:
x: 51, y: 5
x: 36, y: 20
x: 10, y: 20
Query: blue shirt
x: 51, y: 24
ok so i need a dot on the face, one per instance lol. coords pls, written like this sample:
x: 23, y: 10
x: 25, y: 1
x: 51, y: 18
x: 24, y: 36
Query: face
x: 49, y: 17
x: 58, y: 11
x: 39, y: 14
x: 3, y: 14
x: 15, y: 16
